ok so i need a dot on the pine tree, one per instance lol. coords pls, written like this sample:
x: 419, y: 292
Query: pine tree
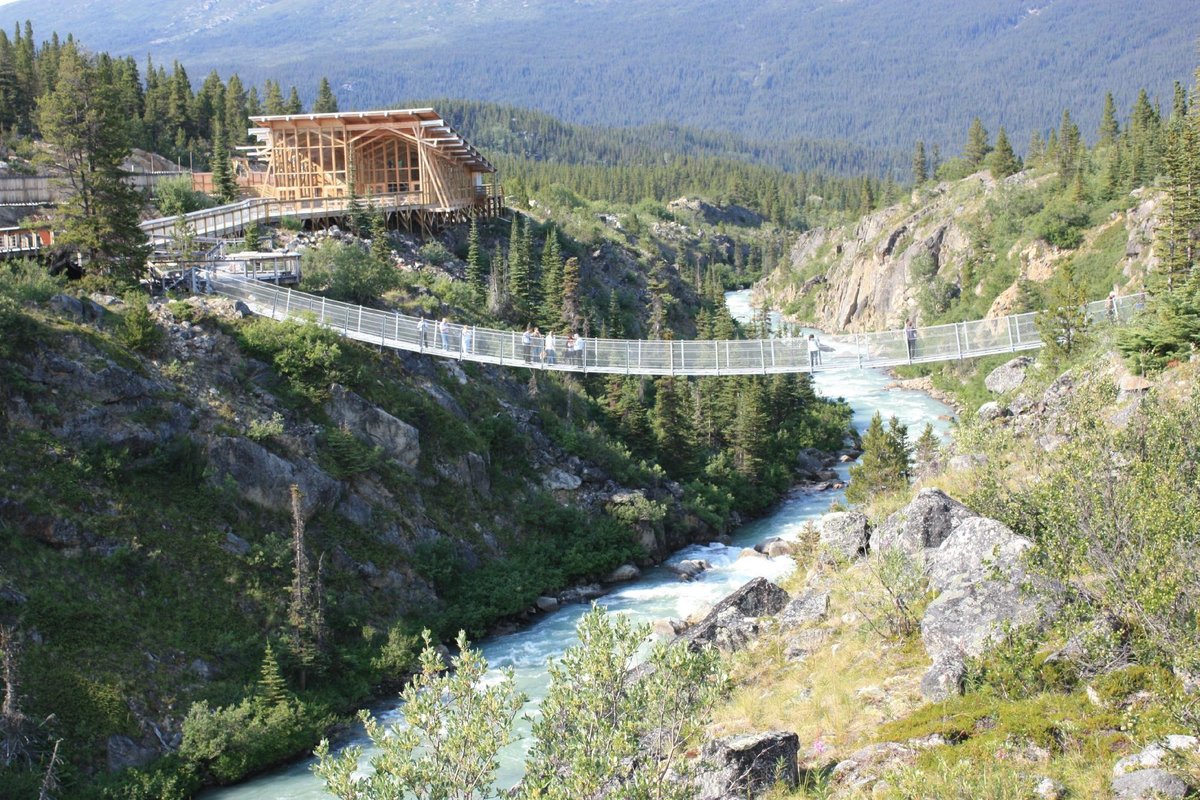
x: 672, y: 427
x: 272, y: 688
x: 381, y: 240
x: 325, y: 103
x: 613, y: 320
x: 273, y: 105
x: 1070, y: 148
x: 1063, y: 325
x: 1003, y: 161
x: 252, y: 240
x: 572, y: 309
x: 1037, y: 150
x: 885, y: 463
x: 661, y: 300
x: 224, y: 182
x: 293, y: 104
x: 80, y: 118
x: 552, y: 296
x: 920, y: 166
x: 237, y: 122
x: 476, y: 275
x: 518, y: 270
x: 977, y: 146
x: 305, y: 608
x: 751, y: 430
x: 927, y: 450
x: 1109, y: 128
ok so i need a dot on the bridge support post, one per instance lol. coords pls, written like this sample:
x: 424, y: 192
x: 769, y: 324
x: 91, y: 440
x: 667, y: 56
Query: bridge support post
x: 858, y: 351
x: 322, y: 309
x: 1012, y: 347
x: 762, y: 356
x: 772, y: 354
x: 958, y: 339
x: 287, y: 303
x: 717, y: 357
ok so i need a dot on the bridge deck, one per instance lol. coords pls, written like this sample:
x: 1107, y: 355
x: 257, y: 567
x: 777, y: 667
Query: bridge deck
x: 651, y: 357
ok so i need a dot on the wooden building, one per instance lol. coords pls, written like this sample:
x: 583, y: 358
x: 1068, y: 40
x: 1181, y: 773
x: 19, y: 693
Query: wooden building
x: 407, y: 161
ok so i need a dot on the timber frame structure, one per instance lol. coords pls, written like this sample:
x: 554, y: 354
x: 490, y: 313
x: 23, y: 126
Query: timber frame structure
x: 406, y: 162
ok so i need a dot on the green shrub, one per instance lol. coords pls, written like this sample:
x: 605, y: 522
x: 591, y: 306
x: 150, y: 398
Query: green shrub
x: 1062, y: 224
x: 139, y: 331
x: 346, y: 271
x: 309, y: 356
x: 260, y: 430
x: 344, y: 455
x: 175, y: 196
x: 234, y: 741
x: 434, y: 253
x: 27, y: 281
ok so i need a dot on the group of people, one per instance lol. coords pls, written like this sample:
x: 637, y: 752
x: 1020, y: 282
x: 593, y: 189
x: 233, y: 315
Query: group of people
x: 536, y: 347
x: 444, y: 332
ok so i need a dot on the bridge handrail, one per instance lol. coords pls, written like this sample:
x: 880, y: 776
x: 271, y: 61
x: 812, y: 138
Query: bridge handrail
x: 955, y: 341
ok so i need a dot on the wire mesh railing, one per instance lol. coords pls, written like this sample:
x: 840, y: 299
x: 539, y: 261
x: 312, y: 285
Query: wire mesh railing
x: 1013, y: 333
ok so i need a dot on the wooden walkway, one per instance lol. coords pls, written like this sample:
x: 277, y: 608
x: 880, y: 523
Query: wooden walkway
x: 1010, y: 334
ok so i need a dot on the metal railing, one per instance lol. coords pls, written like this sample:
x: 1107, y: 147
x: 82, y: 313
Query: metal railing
x: 651, y: 357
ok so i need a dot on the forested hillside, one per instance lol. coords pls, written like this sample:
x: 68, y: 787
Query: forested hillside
x: 876, y: 73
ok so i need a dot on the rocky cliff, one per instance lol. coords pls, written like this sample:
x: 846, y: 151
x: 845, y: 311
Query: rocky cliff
x: 973, y: 243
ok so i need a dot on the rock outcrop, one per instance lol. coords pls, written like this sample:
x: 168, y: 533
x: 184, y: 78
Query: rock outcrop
x: 736, y: 621
x: 1008, y: 376
x: 748, y: 765
x: 844, y: 534
x: 399, y: 441
x: 265, y: 479
x: 924, y: 523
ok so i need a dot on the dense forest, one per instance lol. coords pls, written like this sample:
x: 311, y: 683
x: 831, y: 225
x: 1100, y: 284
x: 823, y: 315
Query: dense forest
x: 875, y: 73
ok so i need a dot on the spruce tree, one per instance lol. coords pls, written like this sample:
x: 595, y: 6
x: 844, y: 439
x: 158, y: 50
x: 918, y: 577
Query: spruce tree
x: 977, y: 146
x: 1003, y: 161
x: 273, y: 104
x: 381, y: 241
x: 272, y: 687
x: 920, y: 166
x: 224, y: 182
x: 235, y: 114
x: 476, y: 276
x: 325, y: 103
x: 552, y: 295
x: 572, y: 308
x: 1109, y: 128
x: 1063, y: 324
x: 886, y: 461
x: 518, y: 270
x: 1070, y: 148
x: 81, y: 120
x: 293, y: 104
x: 672, y: 427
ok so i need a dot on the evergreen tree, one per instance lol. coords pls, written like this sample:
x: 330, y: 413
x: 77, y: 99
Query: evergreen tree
x: 325, y: 103
x: 920, y: 166
x: 518, y: 271
x: 751, y: 430
x: 1037, y: 150
x: 306, y: 617
x: 254, y: 106
x: 672, y: 427
x: 661, y: 300
x: 552, y: 296
x: 80, y: 118
x: 572, y: 308
x: 293, y: 104
x: 886, y: 461
x: 273, y: 104
x: 235, y: 114
x: 927, y: 449
x: 272, y: 688
x: 977, y: 146
x: 224, y: 182
x: 253, y: 238
x: 1070, y: 148
x: 476, y: 275
x: 614, y: 319
x: 1063, y: 324
x: 1109, y: 127
x: 1003, y: 161
x: 381, y: 240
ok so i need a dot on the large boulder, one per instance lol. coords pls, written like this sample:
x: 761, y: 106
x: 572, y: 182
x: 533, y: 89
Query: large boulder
x: 1149, y: 784
x: 399, y: 441
x: 735, y: 621
x: 844, y: 533
x: 265, y: 479
x: 925, y: 522
x: 1008, y: 376
x: 747, y: 765
x: 804, y: 609
x: 977, y: 548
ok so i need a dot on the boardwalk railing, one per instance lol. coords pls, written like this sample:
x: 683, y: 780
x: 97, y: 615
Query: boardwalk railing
x: 644, y: 357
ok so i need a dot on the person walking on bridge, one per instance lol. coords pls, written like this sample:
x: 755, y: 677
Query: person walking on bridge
x: 814, y: 353
x: 527, y: 342
x: 579, y: 352
x: 443, y: 332
x: 550, y: 346
x: 422, y: 328
x: 910, y: 336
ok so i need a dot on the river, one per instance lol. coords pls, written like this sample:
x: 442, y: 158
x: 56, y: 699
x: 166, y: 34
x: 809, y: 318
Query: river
x: 658, y: 593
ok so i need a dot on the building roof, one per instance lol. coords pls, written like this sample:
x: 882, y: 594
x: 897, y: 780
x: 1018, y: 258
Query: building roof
x: 436, y: 131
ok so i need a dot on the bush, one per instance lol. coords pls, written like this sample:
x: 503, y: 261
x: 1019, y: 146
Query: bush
x: 139, y: 331
x: 260, y: 430
x: 434, y: 253
x: 231, y: 742
x: 346, y: 272
x: 27, y: 281
x: 175, y: 196
x: 1062, y: 224
x: 310, y: 356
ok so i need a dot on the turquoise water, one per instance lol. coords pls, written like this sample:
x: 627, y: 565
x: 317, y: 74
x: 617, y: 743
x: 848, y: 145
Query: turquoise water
x: 658, y: 593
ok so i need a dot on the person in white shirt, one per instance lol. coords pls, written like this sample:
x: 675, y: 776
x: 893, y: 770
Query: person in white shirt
x: 814, y: 352
x: 550, y: 345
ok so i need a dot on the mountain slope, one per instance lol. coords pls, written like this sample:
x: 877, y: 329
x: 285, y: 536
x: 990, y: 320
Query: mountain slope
x: 874, y: 72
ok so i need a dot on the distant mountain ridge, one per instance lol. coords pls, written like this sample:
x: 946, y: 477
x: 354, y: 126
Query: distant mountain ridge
x: 876, y: 73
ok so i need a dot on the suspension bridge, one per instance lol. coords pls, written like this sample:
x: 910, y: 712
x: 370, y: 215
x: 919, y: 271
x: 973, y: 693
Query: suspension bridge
x: 962, y: 340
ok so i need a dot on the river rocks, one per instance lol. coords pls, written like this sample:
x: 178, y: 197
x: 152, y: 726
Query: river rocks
x: 688, y: 568
x: 809, y: 464
x: 1149, y: 784
x: 992, y: 410
x: 1008, y: 376
x: 747, y: 765
x: 925, y: 522
x: 777, y: 548
x: 581, y: 594
x: 844, y: 533
x: 667, y: 628
x: 734, y: 622
x: 546, y: 604
x: 265, y: 479
x: 556, y: 480
x: 625, y: 572
x: 399, y: 441
x: 806, y: 608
